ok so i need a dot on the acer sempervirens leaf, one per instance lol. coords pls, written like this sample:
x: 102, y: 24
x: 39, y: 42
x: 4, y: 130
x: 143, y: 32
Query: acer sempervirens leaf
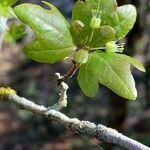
x: 53, y: 39
x: 111, y: 70
x: 90, y: 41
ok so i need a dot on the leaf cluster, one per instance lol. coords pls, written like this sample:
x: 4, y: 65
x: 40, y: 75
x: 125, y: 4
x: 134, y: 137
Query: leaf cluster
x: 89, y: 40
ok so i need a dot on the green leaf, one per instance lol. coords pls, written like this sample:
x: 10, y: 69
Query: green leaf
x: 87, y: 79
x: 78, y: 33
x: 7, y: 2
x: 5, y: 7
x: 111, y: 70
x: 52, y: 32
x: 83, y: 11
x: 131, y: 61
x: 121, y: 18
x: 4, y: 11
x: 42, y: 51
x: 102, y: 35
x: 16, y: 32
x: 127, y: 16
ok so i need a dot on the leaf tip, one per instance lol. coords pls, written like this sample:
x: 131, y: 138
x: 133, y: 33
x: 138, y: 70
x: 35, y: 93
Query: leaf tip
x: 140, y: 66
x: 133, y: 98
x: 143, y: 69
x: 133, y: 95
x: 47, y: 4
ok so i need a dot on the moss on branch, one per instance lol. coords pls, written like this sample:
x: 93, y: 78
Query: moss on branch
x: 6, y: 92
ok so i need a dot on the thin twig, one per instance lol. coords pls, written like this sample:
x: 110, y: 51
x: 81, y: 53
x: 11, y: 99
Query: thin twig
x: 69, y: 74
x: 63, y: 87
x: 99, y: 131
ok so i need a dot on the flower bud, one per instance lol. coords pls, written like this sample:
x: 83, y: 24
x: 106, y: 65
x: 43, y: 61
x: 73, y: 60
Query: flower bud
x: 111, y: 47
x: 95, y: 22
x: 81, y: 56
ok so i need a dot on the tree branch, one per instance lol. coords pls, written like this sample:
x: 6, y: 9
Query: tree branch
x: 99, y: 131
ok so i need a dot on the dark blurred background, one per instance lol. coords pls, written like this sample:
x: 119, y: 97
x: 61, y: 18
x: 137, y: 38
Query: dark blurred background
x: 21, y: 130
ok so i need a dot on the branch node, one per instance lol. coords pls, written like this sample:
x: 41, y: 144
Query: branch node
x: 62, y: 88
x: 62, y: 102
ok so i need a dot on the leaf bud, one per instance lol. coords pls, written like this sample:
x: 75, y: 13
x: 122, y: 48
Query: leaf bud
x: 77, y: 26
